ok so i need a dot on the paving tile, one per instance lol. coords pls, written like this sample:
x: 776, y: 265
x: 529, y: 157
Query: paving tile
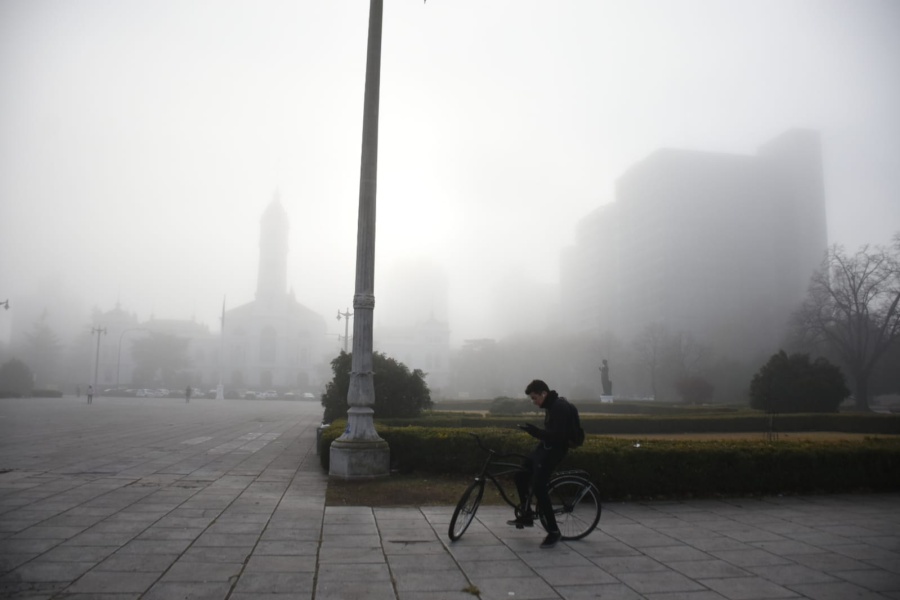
x: 217, y: 554
x: 710, y: 568
x: 112, y: 582
x: 130, y: 562
x: 356, y: 590
x: 749, y: 558
x: 281, y: 564
x: 360, y: 572
x: 275, y: 583
x: 872, y: 579
x: 202, y: 572
x: 628, y: 564
x: 290, y: 548
x: 8, y: 562
x: 424, y: 562
x: 615, y: 591
x: 667, y: 554
x: 489, y: 568
x: 155, y: 546
x: 581, y: 575
x: 791, y: 574
x: 705, y: 595
x: 50, y: 571
x: 521, y: 588
x: 659, y: 581
x: 747, y: 588
x: 174, y: 590
x: 835, y: 591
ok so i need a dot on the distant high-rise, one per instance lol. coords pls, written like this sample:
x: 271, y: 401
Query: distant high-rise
x: 721, y: 246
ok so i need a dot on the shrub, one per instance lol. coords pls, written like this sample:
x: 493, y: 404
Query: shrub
x: 511, y: 406
x: 16, y: 378
x: 694, y: 389
x: 794, y: 384
x: 399, y: 392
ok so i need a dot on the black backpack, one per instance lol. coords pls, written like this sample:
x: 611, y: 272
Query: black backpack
x: 576, y: 433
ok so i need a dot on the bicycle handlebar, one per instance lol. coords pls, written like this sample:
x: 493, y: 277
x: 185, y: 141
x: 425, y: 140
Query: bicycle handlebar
x: 491, y: 451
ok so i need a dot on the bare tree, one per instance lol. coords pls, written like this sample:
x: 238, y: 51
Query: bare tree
x: 853, y: 308
x: 650, y: 346
x: 668, y: 357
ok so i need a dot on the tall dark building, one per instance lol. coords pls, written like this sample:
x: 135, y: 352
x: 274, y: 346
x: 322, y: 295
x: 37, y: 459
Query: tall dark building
x: 721, y: 246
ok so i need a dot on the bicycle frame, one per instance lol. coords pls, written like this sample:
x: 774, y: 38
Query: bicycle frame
x: 506, y: 468
x: 567, y: 499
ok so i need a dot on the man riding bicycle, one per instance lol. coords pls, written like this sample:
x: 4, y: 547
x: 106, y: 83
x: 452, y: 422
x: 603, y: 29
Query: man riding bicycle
x: 540, y: 464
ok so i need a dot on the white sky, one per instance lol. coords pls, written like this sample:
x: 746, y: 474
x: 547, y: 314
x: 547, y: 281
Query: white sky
x: 141, y: 141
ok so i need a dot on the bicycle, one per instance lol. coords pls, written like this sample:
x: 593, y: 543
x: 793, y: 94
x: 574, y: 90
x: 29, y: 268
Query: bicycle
x: 575, y: 498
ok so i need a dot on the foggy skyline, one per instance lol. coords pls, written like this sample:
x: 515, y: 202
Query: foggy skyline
x: 141, y: 142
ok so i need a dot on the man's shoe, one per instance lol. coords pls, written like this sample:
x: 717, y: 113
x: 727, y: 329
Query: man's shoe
x: 522, y: 522
x: 551, y: 539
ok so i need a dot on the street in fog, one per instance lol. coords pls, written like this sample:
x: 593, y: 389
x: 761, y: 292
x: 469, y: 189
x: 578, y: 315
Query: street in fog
x: 161, y: 438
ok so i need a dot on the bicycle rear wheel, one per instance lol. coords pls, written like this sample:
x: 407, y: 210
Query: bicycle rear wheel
x: 576, y: 506
x: 465, y: 509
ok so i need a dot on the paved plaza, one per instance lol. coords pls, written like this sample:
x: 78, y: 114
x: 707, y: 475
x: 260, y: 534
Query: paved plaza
x: 161, y: 500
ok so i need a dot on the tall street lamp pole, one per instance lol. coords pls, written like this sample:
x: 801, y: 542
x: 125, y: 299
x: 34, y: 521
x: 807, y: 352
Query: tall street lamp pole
x: 360, y: 453
x: 346, y: 314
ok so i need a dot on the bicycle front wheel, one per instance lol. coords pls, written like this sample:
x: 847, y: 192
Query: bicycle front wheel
x: 576, y: 506
x: 465, y: 509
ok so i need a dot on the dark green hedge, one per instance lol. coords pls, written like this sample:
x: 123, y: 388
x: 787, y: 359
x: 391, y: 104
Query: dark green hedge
x: 709, y: 423
x: 626, y: 469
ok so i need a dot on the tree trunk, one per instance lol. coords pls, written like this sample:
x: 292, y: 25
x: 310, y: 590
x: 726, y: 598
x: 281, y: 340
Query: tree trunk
x: 862, y: 391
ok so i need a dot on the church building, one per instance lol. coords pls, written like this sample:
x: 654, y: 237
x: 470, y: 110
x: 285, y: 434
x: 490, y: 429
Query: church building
x: 273, y: 342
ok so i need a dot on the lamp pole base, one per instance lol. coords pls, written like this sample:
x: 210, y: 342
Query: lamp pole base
x: 359, y: 459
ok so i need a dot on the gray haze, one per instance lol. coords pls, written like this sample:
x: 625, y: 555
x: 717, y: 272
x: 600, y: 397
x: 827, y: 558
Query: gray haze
x: 140, y: 142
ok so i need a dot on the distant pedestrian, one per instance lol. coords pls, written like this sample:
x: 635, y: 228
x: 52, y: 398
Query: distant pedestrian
x: 78, y: 391
x: 90, y: 394
x: 187, y: 395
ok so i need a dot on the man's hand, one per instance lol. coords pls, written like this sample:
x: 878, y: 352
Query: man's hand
x: 529, y: 429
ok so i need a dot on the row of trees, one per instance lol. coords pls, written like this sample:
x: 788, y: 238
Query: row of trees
x: 850, y: 316
x: 161, y: 360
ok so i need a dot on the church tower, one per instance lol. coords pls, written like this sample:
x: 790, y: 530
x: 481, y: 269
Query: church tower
x: 271, y: 285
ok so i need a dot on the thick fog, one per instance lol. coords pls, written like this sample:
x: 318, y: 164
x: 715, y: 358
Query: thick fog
x: 140, y: 142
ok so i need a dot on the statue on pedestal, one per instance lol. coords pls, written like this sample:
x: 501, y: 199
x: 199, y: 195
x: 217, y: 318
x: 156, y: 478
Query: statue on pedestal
x: 605, y: 380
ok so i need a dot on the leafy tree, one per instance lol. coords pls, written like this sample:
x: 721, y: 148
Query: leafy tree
x: 42, y: 351
x: 794, y: 384
x: 16, y: 378
x: 159, y: 358
x: 853, y: 309
x: 694, y: 389
x: 399, y: 392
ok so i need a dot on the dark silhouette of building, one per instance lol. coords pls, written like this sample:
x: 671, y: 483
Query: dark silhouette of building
x: 717, y: 245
